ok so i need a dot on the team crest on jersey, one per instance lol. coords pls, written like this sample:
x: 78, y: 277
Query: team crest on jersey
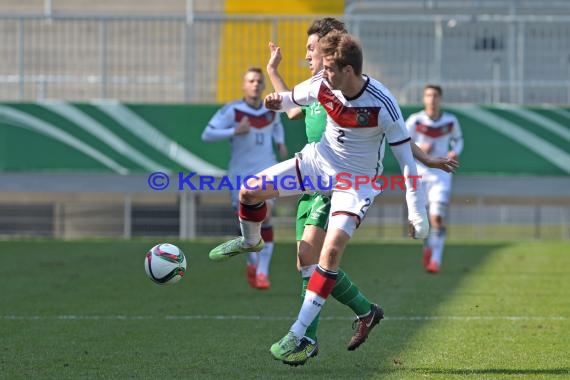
x: 362, y: 117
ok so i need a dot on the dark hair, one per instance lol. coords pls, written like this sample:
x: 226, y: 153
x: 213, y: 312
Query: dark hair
x: 434, y: 87
x: 343, y: 48
x: 323, y: 26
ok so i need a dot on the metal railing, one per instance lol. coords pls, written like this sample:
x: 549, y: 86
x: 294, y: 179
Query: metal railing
x: 479, y: 58
x: 88, y: 205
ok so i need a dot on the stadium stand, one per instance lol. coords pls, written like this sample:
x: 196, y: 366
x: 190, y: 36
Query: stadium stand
x: 482, y: 52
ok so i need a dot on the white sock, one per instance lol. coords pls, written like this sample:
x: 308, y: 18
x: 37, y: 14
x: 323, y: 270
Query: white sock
x: 311, y: 307
x: 252, y: 258
x: 431, y: 239
x: 265, y: 259
x: 251, y: 231
x: 437, y: 246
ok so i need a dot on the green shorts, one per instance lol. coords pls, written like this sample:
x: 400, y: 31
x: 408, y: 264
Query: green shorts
x: 312, y: 210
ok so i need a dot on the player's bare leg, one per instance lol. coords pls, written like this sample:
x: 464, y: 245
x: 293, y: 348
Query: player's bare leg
x: 252, y: 212
x: 308, y: 252
x: 318, y: 289
x: 252, y: 209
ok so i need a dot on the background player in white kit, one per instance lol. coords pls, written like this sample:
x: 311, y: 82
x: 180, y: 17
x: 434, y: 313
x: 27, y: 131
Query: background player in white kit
x: 438, y: 134
x: 361, y: 116
x: 252, y: 130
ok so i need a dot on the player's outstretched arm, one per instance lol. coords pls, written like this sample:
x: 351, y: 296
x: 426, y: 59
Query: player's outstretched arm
x: 283, y: 101
x: 277, y: 80
x: 279, y: 101
x: 447, y: 164
x: 417, y: 214
x: 273, y: 102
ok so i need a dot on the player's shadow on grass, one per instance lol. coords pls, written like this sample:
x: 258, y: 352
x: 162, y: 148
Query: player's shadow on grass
x: 392, y: 275
x: 388, y: 274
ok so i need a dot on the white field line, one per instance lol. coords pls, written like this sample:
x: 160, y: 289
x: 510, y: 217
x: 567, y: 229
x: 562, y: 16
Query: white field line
x: 272, y: 318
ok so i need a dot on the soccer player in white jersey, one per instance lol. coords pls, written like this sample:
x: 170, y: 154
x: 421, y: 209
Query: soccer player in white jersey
x: 361, y: 116
x: 313, y: 209
x: 252, y: 130
x: 437, y: 133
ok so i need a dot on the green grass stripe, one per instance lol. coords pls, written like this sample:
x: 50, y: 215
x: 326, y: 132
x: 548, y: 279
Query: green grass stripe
x: 515, y: 277
x: 487, y: 151
x: 535, y: 129
x: 64, y: 124
x: 460, y: 324
x: 128, y: 137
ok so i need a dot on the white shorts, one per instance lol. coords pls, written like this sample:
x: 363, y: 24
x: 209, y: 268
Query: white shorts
x: 305, y: 174
x: 437, y: 188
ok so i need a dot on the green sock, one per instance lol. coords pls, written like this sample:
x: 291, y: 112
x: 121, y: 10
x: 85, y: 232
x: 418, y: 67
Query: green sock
x: 312, y: 329
x: 346, y: 292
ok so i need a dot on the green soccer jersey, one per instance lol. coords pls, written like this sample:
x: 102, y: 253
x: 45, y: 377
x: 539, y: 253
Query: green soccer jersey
x: 313, y: 209
x: 315, y: 121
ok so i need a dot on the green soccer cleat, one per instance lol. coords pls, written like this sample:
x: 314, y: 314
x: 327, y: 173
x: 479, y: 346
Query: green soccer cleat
x: 305, y: 350
x: 285, y: 346
x: 232, y: 248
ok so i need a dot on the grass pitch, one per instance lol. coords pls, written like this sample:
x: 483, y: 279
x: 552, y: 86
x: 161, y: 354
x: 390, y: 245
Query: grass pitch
x: 72, y: 310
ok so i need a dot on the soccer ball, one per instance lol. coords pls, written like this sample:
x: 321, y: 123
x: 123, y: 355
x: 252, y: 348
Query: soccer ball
x: 165, y: 264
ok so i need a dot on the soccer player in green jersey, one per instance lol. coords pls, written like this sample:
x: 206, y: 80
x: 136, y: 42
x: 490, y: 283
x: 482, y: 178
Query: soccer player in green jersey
x: 313, y: 209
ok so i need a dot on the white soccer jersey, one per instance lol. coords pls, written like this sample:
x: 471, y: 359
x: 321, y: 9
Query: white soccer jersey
x: 441, y: 134
x: 250, y: 152
x: 356, y: 127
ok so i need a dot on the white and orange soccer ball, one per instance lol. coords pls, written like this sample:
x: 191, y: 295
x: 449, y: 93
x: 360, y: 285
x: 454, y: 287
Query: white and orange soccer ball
x: 165, y: 264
